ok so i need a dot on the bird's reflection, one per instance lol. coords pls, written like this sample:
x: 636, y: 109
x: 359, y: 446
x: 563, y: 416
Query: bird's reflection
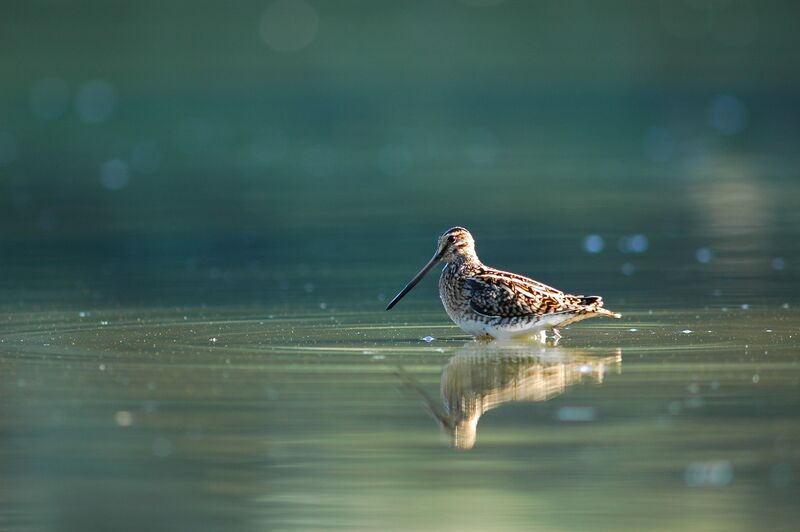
x: 482, y: 376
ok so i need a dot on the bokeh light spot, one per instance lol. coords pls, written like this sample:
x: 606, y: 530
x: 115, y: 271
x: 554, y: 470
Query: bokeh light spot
x: 628, y: 269
x: 115, y: 174
x: 703, y: 255
x: 593, y: 244
x: 633, y: 244
x: 123, y: 418
x: 576, y: 413
x: 712, y: 474
x: 638, y: 243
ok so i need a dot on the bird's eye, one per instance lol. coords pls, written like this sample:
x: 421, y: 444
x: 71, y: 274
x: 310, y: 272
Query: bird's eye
x: 452, y: 238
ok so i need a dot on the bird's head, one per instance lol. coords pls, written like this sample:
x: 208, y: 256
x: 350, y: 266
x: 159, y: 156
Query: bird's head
x: 455, y: 244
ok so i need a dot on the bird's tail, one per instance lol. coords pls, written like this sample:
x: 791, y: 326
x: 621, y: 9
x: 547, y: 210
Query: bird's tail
x: 595, y: 304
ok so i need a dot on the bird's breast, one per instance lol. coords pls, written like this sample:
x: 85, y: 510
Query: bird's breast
x: 453, y: 292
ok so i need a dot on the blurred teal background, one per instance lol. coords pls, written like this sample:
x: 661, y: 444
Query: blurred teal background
x: 204, y: 207
x: 267, y: 118
x: 134, y: 135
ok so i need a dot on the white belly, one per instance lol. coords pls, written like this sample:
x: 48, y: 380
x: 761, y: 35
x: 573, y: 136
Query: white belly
x: 510, y: 330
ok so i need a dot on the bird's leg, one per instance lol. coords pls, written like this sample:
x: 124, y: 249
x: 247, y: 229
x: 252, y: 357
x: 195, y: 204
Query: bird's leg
x: 484, y: 338
x: 550, y: 341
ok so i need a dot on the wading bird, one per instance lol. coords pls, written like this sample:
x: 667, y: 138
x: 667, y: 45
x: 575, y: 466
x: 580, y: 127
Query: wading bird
x: 491, y: 303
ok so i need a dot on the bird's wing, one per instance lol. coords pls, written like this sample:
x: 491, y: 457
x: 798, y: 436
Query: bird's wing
x: 508, y: 295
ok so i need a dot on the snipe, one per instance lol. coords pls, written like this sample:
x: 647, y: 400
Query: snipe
x: 486, y: 302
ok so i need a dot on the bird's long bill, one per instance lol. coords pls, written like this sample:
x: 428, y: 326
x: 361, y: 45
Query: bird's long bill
x: 417, y: 278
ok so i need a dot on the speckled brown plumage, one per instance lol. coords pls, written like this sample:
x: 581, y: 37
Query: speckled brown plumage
x: 486, y: 301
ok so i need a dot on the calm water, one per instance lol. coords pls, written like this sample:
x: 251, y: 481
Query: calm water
x: 167, y: 384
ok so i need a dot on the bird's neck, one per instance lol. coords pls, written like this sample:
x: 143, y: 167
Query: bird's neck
x: 465, y: 259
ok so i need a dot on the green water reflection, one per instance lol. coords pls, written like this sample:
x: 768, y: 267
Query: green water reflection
x: 484, y: 375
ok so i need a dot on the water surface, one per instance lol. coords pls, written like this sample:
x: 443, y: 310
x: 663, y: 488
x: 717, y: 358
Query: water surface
x: 305, y: 405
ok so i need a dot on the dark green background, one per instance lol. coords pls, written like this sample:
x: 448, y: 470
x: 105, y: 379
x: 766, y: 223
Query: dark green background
x: 404, y: 116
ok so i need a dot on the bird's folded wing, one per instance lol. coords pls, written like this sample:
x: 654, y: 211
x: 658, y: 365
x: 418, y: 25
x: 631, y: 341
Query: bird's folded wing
x: 502, y: 296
